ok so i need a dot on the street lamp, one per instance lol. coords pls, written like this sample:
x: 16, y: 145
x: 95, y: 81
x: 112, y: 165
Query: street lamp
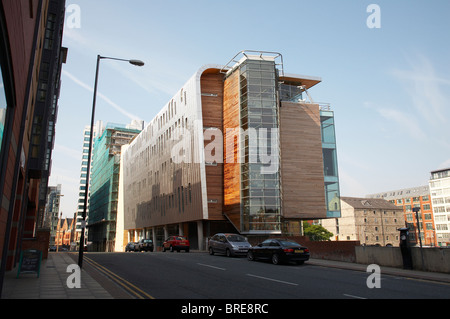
x: 58, y: 227
x: 83, y: 216
x: 416, y: 210
x: 58, y: 196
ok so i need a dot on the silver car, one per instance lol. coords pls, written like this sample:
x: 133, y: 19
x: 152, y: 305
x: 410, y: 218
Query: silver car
x: 228, y: 244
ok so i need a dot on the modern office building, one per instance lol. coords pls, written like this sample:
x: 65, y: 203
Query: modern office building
x: 410, y: 199
x: 99, y: 128
x: 440, y: 197
x: 104, y: 186
x: 52, y: 213
x: 238, y: 148
x: 30, y: 56
x: 371, y: 221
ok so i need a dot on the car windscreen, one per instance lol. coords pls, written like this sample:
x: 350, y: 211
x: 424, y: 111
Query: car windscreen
x: 236, y: 238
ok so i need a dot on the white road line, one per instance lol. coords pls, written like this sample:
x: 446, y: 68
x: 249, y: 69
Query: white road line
x: 352, y: 296
x: 281, y: 281
x: 211, y: 266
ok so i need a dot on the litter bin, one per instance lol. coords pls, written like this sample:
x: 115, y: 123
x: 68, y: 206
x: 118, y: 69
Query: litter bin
x: 405, y: 248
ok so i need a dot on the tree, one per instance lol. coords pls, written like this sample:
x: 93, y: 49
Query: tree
x: 316, y: 232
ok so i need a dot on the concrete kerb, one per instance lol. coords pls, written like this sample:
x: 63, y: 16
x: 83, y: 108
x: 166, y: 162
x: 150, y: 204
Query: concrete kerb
x: 392, y: 271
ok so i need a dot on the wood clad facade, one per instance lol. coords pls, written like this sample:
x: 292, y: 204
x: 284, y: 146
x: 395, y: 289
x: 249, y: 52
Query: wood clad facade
x: 211, y: 84
x: 232, y: 171
x: 302, y: 177
x: 161, y: 192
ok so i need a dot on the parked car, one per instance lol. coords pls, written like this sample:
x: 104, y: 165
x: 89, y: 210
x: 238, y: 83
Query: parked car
x: 176, y: 243
x: 145, y: 245
x: 279, y: 251
x: 228, y: 244
x: 132, y: 246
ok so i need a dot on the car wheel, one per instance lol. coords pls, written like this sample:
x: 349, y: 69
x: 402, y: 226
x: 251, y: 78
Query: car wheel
x: 250, y: 256
x: 171, y: 249
x: 187, y: 250
x: 228, y: 253
x: 275, y: 259
x: 211, y: 251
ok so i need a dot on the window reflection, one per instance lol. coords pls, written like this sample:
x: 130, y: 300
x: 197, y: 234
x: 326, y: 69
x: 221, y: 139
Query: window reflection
x: 2, y: 109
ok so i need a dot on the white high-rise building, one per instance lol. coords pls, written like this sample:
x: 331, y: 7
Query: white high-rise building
x: 440, y: 197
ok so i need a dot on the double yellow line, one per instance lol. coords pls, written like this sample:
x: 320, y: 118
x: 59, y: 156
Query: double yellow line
x: 132, y: 289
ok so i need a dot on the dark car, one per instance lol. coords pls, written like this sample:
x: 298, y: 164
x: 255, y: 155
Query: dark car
x: 228, y: 244
x: 145, y: 245
x: 279, y: 251
x: 132, y: 246
x: 176, y: 243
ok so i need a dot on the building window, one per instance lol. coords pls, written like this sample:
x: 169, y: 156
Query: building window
x: 42, y: 92
x: 49, y: 31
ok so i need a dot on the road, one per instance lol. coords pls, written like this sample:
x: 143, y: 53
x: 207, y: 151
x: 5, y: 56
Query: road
x: 198, y: 275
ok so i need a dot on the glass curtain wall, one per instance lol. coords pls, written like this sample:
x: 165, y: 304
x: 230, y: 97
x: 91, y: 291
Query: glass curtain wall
x: 330, y: 168
x: 260, y: 186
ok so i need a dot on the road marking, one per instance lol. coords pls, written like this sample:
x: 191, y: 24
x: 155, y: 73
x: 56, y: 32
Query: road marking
x: 352, y: 296
x: 211, y: 266
x: 119, y: 280
x: 276, y: 280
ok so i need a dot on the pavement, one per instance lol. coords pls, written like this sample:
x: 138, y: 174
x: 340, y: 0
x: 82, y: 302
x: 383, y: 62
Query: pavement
x: 52, y: 282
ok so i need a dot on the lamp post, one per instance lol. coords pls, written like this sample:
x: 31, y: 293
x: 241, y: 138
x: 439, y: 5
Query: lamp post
x: 83, y: 216
x: 416, y: 210
x: 58, y: 196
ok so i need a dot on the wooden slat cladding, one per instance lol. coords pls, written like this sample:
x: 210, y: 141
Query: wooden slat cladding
x: 301, y: 161
x: 212, y: 113
x: 232, y: 177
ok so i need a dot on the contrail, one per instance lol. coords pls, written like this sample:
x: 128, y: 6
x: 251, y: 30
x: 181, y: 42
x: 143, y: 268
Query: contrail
x: 100, y: 95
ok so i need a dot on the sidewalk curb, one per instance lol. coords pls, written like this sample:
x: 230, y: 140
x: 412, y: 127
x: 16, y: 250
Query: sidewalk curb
x: 399, y: 272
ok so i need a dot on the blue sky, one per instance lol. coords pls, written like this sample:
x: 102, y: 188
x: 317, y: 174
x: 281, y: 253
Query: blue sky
x: 389, y: 86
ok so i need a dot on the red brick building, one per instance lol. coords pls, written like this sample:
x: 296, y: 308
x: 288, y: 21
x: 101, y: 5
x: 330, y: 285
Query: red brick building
x: 30, y: 56
x: 408, y: 199
x: 65, y: 233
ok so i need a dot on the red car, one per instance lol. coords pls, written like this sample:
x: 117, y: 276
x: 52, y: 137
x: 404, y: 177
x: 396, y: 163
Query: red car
x: 176, y: 243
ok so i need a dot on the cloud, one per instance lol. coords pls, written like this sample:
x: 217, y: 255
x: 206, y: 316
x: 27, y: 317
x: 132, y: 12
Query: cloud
x: 424, y: 111
x: 405, y: 120
x: 68, y: 151
x: 100, y: 95
x: 445, y: 164
x: 155, y: 77
x: 349, y: 185
x: 424, y: 86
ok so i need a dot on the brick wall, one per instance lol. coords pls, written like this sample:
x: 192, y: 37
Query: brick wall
x: 40, y: 242
x: 330, y: 250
